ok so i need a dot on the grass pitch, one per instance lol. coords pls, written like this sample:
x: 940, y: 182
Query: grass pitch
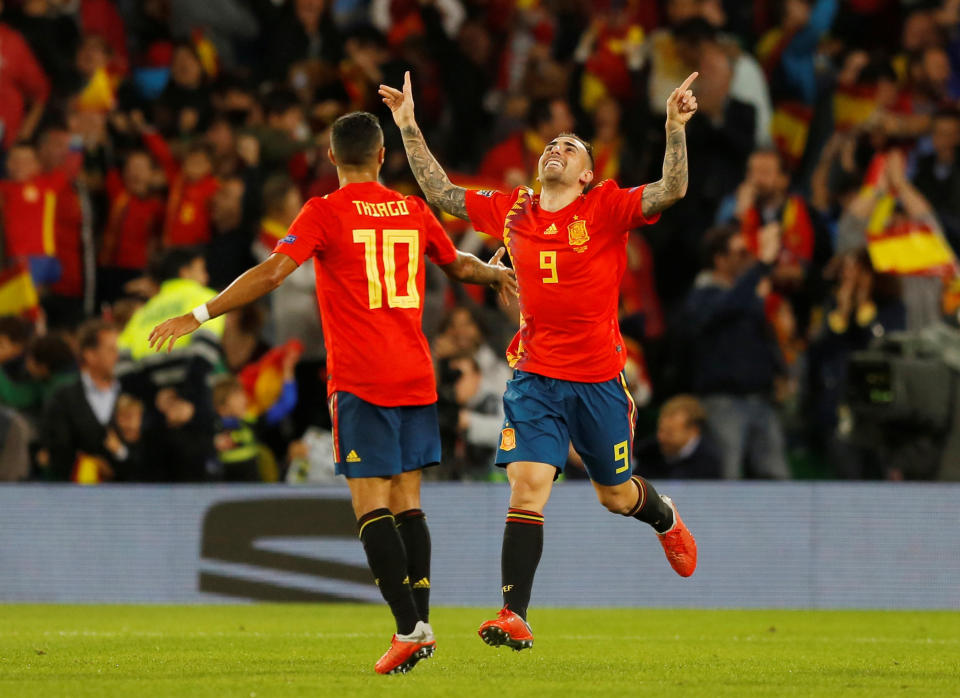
x: 329, y: 651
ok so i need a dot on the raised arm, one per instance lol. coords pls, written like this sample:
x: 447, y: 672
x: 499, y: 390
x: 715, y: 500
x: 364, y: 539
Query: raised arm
x: 246, y: 288
x: 432, y: 179
x: 672, y: 186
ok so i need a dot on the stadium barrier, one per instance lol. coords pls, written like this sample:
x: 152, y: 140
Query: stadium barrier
x: 762, y: 545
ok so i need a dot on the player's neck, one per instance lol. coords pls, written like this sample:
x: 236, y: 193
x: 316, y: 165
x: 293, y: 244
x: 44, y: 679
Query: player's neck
x: 554, y: 198
x: 357, y: 175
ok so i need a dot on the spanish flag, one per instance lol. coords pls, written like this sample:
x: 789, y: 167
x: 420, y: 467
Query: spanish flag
x: 789, y: 129
x: 263, y: 380
x: 206, y: 53
x: 908, y: 248
x: 100, y: 94
x: 798, y: 234
x: 18, y: 295
x: 853, y: 105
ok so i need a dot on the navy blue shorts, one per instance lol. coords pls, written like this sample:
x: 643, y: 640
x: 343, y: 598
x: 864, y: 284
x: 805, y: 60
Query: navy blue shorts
x: 544, y: 415
x: 374, y: 441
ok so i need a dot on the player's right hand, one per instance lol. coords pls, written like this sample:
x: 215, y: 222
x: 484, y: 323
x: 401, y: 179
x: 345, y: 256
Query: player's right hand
x: 506, y: 284
x: 400, y: 103
x: 172, y: 330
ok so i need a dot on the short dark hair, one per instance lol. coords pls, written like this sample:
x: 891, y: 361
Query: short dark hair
x: 52, y: 352
x: 88, y: 336
x: 695, y: 31
x: 586, y: 144
x: 223, y: 387
x: 199, y: 147
x: 540, y: 112
x: 717, y: 241
x: 774, y: 153
x: 279, y: 101
x: 689, y: 406
x: 15, y: 328
x: 275, y: 190
x: 356, y: 138
x: 173, y: 261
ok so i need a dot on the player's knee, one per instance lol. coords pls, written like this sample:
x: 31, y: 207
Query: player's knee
x: 616, y: 502
x: 527, y: 494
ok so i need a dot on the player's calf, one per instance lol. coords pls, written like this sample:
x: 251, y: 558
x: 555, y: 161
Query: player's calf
x: 659, y: 511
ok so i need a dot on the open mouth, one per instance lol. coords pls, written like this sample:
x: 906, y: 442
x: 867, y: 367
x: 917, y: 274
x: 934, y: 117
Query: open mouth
x: 553, y: 161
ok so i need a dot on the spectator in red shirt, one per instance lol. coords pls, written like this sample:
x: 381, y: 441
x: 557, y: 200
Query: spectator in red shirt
x: 191, y: 188
x: 22, y: 82
x: 133, y: 225
x: 29, y: 212
x: 60, y: 164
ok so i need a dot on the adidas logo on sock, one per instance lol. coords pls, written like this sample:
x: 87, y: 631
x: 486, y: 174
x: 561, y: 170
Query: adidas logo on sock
x: 352, y: 457
x: 423, y: 583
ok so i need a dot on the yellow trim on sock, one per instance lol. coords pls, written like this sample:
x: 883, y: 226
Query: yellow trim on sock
x: 366, y: 523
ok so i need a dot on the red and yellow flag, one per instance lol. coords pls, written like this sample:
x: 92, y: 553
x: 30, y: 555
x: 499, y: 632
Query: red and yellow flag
x: 263, y: 380
x: 907, y: 248
x: 18, y: 295
x: 789, y: 129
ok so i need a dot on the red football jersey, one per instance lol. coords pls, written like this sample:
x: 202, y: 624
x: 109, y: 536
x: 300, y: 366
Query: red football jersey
x: 369, y: 244
x: 568, y: 264
x: 29, y: 214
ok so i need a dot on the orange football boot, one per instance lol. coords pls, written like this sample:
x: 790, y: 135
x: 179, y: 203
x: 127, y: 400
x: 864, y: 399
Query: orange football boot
x: 678, y: 544
x: 406, y: 650
x: 507, y: 629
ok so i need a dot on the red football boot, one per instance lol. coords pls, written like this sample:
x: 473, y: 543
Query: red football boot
x: 406, y: 650
x: 507, y: 629
x: 678, y: 544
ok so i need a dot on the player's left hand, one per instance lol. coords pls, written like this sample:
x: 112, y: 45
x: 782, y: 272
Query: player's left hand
x: 506, y: 283
x: 172, y: 330
x: 681, y: 104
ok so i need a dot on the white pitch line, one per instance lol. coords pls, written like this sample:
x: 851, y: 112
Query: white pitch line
x: 575, y: 638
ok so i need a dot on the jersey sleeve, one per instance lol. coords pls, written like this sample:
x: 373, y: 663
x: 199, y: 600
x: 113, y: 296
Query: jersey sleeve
x: 488, y: 210
x: 306, y: 235
x: 625, y: 206
x: 440, y: 248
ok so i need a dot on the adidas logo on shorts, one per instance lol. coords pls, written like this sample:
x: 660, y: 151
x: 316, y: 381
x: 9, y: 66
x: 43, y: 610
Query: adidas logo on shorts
x: 352, y: 457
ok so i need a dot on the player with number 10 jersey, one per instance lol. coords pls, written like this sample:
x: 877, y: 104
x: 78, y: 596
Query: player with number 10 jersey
x: 369, y: 243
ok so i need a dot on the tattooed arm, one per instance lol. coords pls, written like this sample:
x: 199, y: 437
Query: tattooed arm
x: 432, y: 179
x: 437, y: 187
x: 672, y: 186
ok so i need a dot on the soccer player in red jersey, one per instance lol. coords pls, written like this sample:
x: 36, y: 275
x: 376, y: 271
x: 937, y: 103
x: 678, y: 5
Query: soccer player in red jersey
x: 368, y: 243
x: 568, y: 246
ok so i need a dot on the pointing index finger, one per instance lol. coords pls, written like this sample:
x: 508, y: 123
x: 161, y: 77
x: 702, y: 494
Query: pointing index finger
x: 686, y: 83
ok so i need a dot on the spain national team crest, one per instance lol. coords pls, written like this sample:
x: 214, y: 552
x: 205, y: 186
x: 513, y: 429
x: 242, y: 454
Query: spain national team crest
x: 577, y: 234
x: 508, y: 439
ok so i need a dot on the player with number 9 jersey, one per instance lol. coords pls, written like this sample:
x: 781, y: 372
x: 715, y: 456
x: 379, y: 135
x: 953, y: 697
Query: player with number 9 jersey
x: 569, y: 264
x: 568, y: 247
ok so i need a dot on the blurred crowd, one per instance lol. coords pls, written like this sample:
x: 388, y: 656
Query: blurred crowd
x: 152, y: 150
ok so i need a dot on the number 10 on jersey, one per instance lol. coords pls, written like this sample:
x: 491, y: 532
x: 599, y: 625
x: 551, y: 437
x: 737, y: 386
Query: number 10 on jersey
x: 391, y: 238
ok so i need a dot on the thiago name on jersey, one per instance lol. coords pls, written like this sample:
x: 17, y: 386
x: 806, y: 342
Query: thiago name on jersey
x: 382, y: 208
